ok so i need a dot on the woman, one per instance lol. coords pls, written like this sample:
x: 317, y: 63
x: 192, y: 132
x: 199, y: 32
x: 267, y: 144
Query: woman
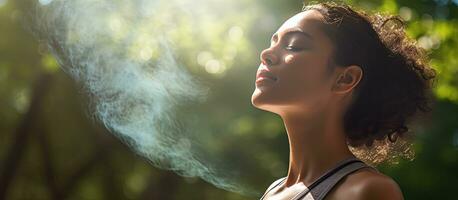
x: 338, y: 78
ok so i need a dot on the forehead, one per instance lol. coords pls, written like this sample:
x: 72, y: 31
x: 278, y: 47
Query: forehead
x: 307, y: 21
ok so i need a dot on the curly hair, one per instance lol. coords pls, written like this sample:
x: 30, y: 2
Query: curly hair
x: 397, y: 78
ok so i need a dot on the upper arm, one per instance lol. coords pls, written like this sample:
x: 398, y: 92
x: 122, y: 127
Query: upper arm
x: 378, y: 188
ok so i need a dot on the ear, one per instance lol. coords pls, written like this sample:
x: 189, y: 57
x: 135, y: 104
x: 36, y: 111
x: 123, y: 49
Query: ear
x: 347, y: 79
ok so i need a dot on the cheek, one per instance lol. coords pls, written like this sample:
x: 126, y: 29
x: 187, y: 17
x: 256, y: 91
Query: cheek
x: 304, y: 78
x: 289, y: 59
x: 300, y: 70
x: 296, y: 76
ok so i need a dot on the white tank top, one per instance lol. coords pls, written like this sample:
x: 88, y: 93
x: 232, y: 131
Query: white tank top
x: 321, y: 187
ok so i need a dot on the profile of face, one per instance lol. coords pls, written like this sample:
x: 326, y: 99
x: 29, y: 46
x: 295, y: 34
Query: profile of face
x: 294, y: 73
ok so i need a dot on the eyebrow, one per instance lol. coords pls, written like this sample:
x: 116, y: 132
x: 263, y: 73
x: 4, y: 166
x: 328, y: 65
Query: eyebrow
x: 307, y: 35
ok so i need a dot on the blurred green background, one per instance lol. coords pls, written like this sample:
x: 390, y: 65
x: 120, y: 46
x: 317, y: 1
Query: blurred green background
x: 51, y: 149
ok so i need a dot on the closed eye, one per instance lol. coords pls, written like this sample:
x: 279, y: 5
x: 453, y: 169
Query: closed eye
x: 293, y: 48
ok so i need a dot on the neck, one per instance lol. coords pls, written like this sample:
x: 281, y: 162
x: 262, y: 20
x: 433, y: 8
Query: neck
x: 317, y: 143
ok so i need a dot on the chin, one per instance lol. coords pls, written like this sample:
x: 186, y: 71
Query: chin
x: 255, y: 98
x: 260, y: 101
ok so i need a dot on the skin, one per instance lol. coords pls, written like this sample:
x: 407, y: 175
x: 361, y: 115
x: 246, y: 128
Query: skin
x: 311, y: 101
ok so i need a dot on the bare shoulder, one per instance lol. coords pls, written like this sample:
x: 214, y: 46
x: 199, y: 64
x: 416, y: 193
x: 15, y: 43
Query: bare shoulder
x: 366, y: 184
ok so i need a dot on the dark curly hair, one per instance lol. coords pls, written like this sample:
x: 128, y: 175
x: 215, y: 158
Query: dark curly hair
x: 397, y: 79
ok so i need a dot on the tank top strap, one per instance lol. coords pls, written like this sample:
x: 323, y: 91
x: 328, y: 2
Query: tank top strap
x: 324, y: 187
x: 273, y: 185
x: 320, y: 187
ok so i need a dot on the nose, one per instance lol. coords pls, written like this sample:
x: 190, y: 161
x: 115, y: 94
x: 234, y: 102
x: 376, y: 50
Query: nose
x: 268, y: 57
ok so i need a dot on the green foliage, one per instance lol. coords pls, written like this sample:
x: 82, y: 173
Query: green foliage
x: 64, y: 154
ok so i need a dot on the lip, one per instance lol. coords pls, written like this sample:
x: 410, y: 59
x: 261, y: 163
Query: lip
x: 265, y: 75
x: 264, y: 81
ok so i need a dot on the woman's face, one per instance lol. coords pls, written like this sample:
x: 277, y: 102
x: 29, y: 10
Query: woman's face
x: 293, y: 72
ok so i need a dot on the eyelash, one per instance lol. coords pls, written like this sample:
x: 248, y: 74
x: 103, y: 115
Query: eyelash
x: 293, y: 48
x: 290, y: 47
